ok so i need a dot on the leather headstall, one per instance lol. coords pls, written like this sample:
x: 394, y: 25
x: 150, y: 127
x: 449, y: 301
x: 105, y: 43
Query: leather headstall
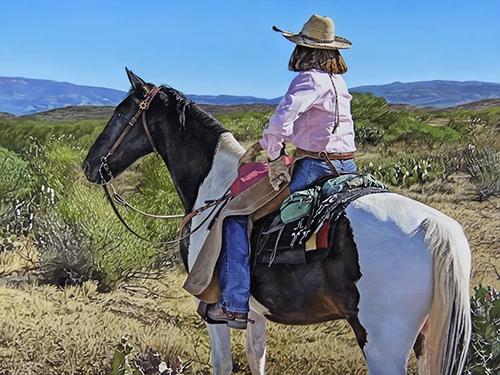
x: 143, y: 107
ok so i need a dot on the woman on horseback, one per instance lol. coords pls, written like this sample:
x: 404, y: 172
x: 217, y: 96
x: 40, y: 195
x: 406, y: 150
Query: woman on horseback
x: 315, y: 116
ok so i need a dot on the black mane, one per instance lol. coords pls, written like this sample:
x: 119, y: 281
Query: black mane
x: 183, y: 102
x: 189, y: 136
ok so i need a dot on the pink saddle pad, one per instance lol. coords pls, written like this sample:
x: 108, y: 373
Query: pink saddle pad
x: 251, y: 173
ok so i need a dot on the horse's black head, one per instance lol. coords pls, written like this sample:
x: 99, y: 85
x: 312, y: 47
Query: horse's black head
x: 120, y: 145
x: 185, y: 136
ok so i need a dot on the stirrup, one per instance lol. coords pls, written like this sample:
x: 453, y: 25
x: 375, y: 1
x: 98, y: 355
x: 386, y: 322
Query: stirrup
x: 229, y: 318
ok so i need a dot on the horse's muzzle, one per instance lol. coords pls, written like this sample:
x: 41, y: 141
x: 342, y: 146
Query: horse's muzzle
x: 93, y: 175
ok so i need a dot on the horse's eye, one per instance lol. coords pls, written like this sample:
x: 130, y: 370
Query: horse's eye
x: 118, y: 114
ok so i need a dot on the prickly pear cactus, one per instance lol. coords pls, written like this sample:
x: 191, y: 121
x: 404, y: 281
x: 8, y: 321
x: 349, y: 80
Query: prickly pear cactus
x: 16, y: 220
x: 406, y: 171
x: 128, y: 362
x: 484, y: 351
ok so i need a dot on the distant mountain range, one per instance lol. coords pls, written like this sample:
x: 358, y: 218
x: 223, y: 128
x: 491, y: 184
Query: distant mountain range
x: 230, y: 100
x: 438, y: 94
x: 21, y: 96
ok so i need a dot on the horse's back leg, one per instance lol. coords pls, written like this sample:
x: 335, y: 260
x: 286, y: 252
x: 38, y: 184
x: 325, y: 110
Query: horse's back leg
x: 220, y: 340
x: 390, y: 341
x: 256, y: 343
x: 395, y: 290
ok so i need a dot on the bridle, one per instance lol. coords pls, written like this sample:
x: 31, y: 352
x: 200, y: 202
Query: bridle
x: 141, y: 111
x: 143, y: 107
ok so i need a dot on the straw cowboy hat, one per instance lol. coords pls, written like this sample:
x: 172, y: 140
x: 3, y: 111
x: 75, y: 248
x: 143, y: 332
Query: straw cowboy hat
x: 317, y: 32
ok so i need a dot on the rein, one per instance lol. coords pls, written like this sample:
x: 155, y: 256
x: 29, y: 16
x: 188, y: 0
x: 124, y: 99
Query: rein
x: 186, y: 219
x: 122, y: 202
x: 143, y: 107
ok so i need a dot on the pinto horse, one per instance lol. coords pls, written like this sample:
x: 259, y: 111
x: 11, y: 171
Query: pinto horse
x: 412, y: 284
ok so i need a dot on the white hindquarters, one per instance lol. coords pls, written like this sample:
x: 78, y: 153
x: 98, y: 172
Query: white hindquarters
x: 415, y: 265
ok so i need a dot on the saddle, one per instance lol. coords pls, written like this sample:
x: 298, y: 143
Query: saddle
x: 304, y: 227
x: 262, y: 203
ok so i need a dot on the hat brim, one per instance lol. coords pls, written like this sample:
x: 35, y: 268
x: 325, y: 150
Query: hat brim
x: 337, y: 43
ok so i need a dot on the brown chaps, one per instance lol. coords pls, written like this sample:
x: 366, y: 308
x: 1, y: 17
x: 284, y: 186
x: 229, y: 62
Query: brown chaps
x: 256, y: 202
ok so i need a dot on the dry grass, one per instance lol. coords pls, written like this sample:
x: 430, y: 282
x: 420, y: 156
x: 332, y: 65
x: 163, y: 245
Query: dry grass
x: 21, y: 260
x: 74, y: 330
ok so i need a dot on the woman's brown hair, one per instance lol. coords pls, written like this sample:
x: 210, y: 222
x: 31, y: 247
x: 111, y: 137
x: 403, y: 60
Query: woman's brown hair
x: 305, y: 58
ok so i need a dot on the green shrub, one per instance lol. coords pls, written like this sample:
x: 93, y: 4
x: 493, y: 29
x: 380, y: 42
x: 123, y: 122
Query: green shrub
x: 414, y: 131
x: 117, y: 253
x: 372, y: 111
x: 245, y: 126
x: 55, y: 165
x: 148, y: 187
x: 16, y: 206
x: 16, y: 179
x: 366, y: 133
x: 484, y: 350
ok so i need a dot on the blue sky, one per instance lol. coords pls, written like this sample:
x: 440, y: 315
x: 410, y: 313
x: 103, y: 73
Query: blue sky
x: 212, y: 47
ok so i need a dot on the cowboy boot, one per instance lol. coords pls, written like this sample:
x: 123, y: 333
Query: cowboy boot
x: 220, y: 315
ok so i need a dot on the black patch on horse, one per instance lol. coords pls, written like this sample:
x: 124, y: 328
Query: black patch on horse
x: 320, y: 289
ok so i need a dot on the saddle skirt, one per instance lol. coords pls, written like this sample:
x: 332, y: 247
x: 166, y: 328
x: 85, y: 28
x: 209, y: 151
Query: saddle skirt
x: 304, y: 227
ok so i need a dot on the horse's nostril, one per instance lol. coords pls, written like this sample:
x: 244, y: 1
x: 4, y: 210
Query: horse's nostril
x: 86, y: 168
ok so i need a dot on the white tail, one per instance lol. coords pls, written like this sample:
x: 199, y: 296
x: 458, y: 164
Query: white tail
x: 448, y: 327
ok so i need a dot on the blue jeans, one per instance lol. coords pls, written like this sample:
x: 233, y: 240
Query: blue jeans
x: 306, y: 170
x: 234, y: 263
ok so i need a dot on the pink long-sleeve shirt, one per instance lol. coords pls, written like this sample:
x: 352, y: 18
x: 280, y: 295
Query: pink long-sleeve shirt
x: 306, y: 116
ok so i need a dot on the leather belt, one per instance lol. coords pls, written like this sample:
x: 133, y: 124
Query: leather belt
x: 332, y: 155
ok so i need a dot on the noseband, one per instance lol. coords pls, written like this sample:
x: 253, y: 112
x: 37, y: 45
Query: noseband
x: 143, y: 107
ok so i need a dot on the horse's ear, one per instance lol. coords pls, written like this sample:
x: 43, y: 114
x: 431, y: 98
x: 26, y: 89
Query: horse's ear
x: 135, y: 81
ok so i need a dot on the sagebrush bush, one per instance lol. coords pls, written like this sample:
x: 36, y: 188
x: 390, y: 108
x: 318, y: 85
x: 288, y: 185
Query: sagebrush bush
x: 64, y: 252
x: 484, y: 169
